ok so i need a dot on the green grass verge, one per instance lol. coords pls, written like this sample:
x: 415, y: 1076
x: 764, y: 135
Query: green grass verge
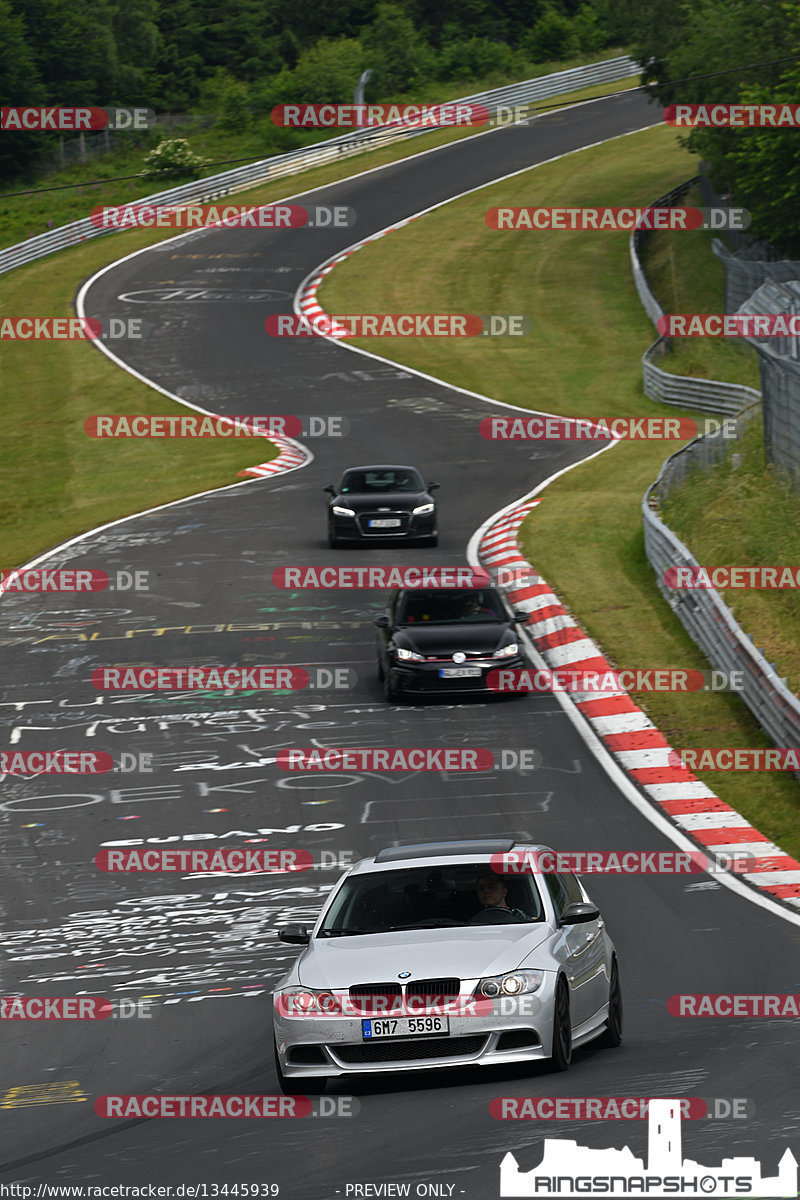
x: 582, y: 359
x: 686, y: 276
x: 747, y: 515
x: 57, y: 481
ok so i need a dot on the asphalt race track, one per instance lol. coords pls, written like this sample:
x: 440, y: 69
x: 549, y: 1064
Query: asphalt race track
x: 202, y: 950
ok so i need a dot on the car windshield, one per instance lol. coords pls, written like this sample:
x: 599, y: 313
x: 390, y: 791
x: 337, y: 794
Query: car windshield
x: 376, y: 482
x: 465, y: 894
x: 455, y: 606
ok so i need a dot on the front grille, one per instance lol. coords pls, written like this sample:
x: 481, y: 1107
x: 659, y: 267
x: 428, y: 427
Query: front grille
x: 363, y: 519
x: 412, y: 1051
x: 364, y: 995
x: 433, y: 987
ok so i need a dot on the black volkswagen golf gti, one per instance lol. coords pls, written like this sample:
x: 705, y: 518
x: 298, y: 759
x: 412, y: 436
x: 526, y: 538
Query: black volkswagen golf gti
x: 446, y: 639
x: 377, y: 502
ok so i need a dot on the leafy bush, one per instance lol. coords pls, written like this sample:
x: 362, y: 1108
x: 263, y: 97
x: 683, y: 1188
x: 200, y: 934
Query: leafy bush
x: 172, y: 157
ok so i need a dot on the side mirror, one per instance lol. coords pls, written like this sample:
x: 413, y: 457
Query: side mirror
x: 578, y: 913
x: 296, y: 935
x: 330, y: 488
x: 521, y: 616
x: 382, y: 622
x: 433, y: 486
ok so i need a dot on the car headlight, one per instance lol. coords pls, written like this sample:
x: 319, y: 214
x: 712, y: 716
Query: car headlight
x: 298, y: 1002
x: 408, y: 655
x: 339, y: 510
x: 515, y: 983
x: 506, y: 651
x: 423, y: 510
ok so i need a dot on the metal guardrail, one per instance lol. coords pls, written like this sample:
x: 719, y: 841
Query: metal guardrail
x: 687, y: 391
x: 707, y: 618
x: 214, y: 187
x: 684, y: 391
x: 702, y: 611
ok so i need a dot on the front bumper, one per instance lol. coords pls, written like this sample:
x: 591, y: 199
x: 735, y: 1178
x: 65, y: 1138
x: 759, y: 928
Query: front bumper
x: 331, y: 1047
x: 357, y: 529
x: 424, y: 677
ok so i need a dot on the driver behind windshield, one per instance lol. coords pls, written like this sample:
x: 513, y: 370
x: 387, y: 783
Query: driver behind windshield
x: 492, y: 891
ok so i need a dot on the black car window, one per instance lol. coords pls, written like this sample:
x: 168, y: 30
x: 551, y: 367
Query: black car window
x: 377, y: 482
x: 434, y: 897
x: 451, y: 607
x: 558, y: 892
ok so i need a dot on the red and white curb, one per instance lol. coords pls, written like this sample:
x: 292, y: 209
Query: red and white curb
x: 306, y: 302
x: 292, y: 455
x: 638, y: 747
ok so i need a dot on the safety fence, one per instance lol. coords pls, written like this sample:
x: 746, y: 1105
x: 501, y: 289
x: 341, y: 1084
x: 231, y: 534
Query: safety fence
x: 213, y: 187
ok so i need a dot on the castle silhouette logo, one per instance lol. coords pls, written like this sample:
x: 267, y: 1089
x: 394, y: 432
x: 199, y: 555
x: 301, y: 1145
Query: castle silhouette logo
x: 568, y: 1169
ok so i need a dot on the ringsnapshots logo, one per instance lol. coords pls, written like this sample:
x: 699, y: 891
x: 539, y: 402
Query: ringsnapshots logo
x: 567, y: 1169
x: 399, y: 325
x: 617, y: 219
x: 229, y: 216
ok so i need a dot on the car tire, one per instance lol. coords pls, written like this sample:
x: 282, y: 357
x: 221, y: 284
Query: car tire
x: 333, y: 541
x: 561, y: 1056
x: 381, y: 672
x: 305, y: 1085
x: 433, y: 540
x: 390, y: 692
x: 612, y: 1034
